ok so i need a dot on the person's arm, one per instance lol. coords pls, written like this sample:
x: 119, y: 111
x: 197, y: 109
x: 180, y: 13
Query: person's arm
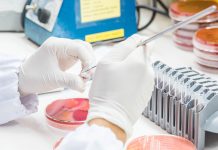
x: 44, y: 70
x: 12, y: 104
x: 120, y: 134
x: 122, y: 86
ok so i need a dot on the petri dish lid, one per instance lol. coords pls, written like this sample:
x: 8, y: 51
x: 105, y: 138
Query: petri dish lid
x: 189, y: 27
x: 67, y: 114
x: 180, y: 10
x: 193, y: 27
x: 184, y: 34
x: 183, y: 46
x: 206, y: 55
x: 207, y: 36
x: 207, y: 63
x: 182, y: 39
x: 161, y: 142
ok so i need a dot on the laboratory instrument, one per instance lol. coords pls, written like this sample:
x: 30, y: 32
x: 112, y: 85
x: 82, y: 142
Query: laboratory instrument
x: 93, y: 21
x: 11, y: 12
x: 184, y: 103
x: 174, y: 27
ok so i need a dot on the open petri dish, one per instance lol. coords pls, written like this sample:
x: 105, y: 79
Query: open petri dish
x: 207, y: 39
x: 180, y: 10
x: 208, y: 36
x: 67, y: 114
x: 161, y: 142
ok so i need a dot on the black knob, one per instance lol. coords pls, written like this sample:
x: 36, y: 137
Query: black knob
x: 43, y: 15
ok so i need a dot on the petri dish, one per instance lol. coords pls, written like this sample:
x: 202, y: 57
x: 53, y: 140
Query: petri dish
x: 57, y: 143
x: 207, y: 63
x: 207, y: 36
x: 183, y: 46
x: 206, y: 39
x: 184, y: 34
x: 196, y: 26
x: 182, y: 40
x: 180, y: 10
x: 161, y: 142
x: 67, y: 114
x: 206, y: 55
x: 188, y: 27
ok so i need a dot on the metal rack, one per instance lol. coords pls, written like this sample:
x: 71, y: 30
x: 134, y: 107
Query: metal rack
x: 184, y: 103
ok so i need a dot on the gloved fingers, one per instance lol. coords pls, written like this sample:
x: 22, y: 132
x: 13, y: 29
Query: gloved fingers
x: 123, y: 49
x: 138, y: 56
x: 69, y: 51
x: 82, y: 50
x: 70, y: 80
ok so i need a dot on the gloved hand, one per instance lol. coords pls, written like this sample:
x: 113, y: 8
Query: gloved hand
x: 122, y: 85
x: 45, y: 69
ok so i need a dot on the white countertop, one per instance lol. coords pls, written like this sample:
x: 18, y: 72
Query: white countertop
x: 32, y: 132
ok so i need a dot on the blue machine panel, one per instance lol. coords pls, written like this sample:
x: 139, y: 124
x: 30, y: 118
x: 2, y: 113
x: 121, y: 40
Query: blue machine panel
x: 68, y: 23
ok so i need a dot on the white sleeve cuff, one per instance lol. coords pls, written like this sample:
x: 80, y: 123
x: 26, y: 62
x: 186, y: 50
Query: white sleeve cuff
x: 91, y: 138
x: 11, y: 105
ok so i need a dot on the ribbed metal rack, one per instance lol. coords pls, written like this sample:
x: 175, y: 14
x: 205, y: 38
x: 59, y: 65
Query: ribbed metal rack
x: 184, y: 103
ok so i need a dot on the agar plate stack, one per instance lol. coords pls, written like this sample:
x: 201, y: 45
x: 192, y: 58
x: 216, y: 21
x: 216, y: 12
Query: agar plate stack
x: 206, y: 46
x: 181, y: 10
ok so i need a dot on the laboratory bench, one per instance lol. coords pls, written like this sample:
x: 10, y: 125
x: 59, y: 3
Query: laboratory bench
x: 32, y: 132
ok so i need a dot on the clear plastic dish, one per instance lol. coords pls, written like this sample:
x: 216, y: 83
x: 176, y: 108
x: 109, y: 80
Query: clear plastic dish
x: 193, y: 27
x: 180, y: 10
x: 207, y: 63
x: 67, y: 114
x: 183, y: 46
x: 188, y: 27
x: 184, y: 34
x: 206, y: 55
x: 181, y: 39
x: 161, y: 142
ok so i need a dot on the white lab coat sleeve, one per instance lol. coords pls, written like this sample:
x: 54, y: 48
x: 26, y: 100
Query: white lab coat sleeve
x: 12, y: 106
x: 90, y: 138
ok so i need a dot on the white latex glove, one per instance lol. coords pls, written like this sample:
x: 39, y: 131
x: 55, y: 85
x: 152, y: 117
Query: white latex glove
x: 90, y: 138
x: 122, y: 85
x: 45, y: 69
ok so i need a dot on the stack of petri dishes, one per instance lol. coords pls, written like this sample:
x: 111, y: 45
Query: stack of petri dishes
x: 67, y: 114
x: 181, y: 10
x: 206, y: 46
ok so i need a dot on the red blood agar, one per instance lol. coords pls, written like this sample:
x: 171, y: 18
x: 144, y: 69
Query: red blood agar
x: 181, y: 9
x: 67, y: 114
x: 161, y: 142
x: 207, y: 36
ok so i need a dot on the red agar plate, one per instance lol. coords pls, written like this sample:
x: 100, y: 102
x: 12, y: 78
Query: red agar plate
x: 207, y: 63
x: 67, y: 114
x: 180, y: 10
x: 183, y: 46
x: 206, y: 55
x: 161, y: 142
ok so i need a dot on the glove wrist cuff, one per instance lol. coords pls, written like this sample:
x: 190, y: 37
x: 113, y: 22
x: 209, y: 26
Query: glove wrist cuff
x: 112, y: 115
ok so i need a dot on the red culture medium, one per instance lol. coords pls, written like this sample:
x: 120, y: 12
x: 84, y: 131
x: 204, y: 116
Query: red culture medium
x: 67, y: 114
